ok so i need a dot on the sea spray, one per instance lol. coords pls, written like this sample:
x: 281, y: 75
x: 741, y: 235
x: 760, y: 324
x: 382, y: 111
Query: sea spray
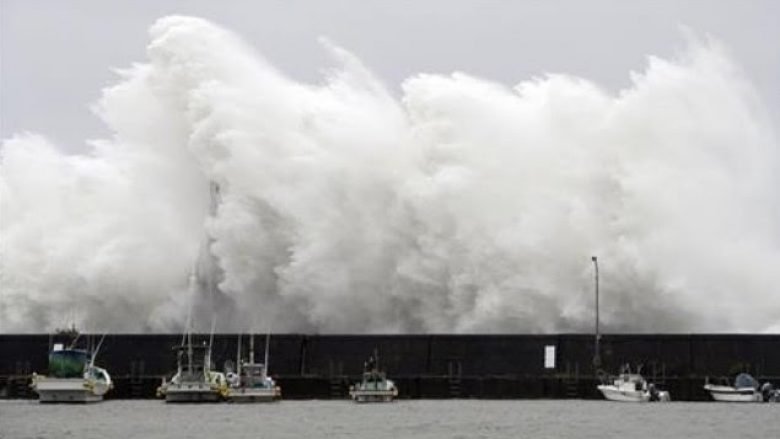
x: 461, y: 206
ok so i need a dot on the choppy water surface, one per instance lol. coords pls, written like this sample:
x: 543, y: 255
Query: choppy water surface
x: 419, y: 419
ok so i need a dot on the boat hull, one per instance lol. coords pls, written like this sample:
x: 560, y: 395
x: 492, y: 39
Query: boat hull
x: 68, y: 390
x: 191, y: 396
x: 191, y: 393
x: 373, y: 395
x: 732, y: 394
x: 243, y: 395
x: 612, y: 393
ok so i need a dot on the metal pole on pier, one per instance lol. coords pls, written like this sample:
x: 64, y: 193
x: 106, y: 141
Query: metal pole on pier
x: 597, y: 347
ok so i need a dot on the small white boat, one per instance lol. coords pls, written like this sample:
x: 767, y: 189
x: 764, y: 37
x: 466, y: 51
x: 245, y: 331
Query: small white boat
x: 251, y: 383
x: 194, y: 381
x: 745, y: 389
x: 632, y: 387
x: 374, y: 387
x: 73, y: 377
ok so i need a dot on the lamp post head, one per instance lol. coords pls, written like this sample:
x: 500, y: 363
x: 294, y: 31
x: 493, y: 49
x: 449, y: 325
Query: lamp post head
x: 593, y: 258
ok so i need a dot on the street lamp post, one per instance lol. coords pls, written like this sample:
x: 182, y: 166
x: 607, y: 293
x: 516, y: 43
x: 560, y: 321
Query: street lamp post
x: 597, y: 347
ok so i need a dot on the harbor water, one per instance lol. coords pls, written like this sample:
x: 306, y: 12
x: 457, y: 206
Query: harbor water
x: 435, y: 419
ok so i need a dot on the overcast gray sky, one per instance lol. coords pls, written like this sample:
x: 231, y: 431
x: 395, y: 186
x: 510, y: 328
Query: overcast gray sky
x: 56, y: 55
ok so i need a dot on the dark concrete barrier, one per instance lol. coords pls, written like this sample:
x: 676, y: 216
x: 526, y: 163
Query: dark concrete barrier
x: 423, y: 366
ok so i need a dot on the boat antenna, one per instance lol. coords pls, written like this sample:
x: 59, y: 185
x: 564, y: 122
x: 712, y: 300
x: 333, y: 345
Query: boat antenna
x: 97, y: 349
x: 78, y: 334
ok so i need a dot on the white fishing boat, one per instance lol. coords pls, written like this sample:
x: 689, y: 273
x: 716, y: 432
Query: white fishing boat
x: 72, y: 377
x: 744, y: 389
x: 374, y: 387
x: 250, y: 382
x: 194, y: 380
x: 632, y: 387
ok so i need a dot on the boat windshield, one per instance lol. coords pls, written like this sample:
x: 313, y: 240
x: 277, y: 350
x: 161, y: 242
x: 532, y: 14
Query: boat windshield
x: 69, y: 363
x: 193, y: 373
x: 254, y: 370
x: 98, y: 374
x: 254, y: 376
x: 745, y: 380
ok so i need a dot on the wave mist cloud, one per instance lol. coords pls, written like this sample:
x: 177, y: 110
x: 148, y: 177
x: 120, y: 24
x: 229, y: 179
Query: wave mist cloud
x: 461, y: 206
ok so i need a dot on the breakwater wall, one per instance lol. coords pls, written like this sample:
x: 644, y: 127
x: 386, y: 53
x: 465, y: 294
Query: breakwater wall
x: 423, y: 366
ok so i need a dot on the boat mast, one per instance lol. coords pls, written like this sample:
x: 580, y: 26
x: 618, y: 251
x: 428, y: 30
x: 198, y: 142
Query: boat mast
x: 211, y: 343
x: 97, y: 349
x: 189, y: 350
x: 251, y: 348
x: 188, y: 325
x: 75, y: 340
x: 267, y: 341
x: 238, y: 356
x: 189, y: 353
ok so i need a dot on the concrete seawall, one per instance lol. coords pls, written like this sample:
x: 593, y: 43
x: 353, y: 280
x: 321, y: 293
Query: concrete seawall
x: 424, y: 366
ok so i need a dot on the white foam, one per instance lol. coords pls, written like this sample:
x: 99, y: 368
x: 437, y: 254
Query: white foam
x: 463, y: 206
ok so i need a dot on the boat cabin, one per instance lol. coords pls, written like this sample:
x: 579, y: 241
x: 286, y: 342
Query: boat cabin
x: 192, y: 362
x: 68, y: 363
x: 254, y: 375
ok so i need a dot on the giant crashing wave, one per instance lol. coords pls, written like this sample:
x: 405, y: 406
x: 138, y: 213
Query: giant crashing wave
x: 464, y: 206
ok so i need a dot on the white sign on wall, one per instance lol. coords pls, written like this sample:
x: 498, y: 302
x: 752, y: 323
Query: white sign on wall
x: 549, y: 357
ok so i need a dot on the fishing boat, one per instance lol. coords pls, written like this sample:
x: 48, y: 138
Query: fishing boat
x: 744, y: 389
x: 250, y: 382
x: 374, y: 387
x: 194, y: 380
x: 73, y: 376
x: 632, y: 387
